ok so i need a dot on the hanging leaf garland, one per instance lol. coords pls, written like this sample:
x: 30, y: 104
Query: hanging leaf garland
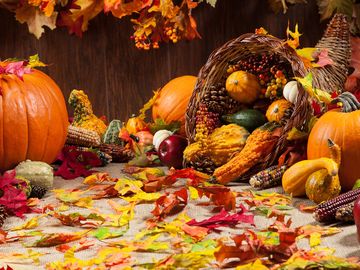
x: 154, y: 21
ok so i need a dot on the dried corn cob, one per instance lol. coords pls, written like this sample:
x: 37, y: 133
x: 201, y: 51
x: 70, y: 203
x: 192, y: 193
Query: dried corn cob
x: 326, y: 211
x: 267, y: 178
x: 104, y: 157
x: 82, y: 137
x: 345, y: 213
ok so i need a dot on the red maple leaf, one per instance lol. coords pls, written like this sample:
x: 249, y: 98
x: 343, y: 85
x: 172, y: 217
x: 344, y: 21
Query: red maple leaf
x: 76, y: 163
x: 224, y: 219
x: 13, y: 195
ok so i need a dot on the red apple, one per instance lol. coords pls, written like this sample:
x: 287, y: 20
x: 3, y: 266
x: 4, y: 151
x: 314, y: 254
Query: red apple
x: 356, y: 213
x: 171, y: 151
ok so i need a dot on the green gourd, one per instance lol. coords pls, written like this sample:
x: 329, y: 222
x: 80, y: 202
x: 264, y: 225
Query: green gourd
x: 249, y: 119
x: 111, y: 135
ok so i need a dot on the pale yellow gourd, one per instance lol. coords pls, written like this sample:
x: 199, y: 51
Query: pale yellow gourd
x: 294, y: 178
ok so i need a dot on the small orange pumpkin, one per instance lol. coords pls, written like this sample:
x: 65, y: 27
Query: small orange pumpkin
x: 173, y: 99
x: 276, y: 110
x: 135, y: 124
x: 144, y: 138
x: 33, y: 117
x: 343, y: 126
x: 243, y: 86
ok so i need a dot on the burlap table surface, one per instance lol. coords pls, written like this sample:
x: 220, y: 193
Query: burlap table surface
x: 345, y: 243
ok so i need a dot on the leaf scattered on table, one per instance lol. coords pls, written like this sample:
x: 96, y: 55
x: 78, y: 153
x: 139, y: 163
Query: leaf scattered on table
x: 170, y: 203
x: 225, y: 219
x: 29, y: 224
x: 54, y: 239
x: 106, y: 233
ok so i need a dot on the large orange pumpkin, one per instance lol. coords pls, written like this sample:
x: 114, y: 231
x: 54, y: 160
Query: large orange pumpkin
x: 343, y: 127
x: 173, y: 100
x: 33, y: 118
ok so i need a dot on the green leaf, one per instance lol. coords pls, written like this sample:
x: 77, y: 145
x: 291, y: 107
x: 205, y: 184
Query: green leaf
x: 160, y: 124
x: 328, y: 7
x: 34, y: 61
x: 105, y: 233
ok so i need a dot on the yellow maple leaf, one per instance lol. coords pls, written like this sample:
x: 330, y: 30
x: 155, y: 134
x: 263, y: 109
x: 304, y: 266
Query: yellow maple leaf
x: 124, y: 186
x: 34, y: 61
x: 295, y: 41
x: 194, y: 194
x: 314, y: 92
x: 35, y: 19
x: 29, y: 224
x: 257, y: 265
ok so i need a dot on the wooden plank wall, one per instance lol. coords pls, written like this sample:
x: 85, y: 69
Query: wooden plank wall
x: 119, y: 78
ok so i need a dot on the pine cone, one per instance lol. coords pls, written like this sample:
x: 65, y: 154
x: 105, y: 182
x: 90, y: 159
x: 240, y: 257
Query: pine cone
x: 118, y: 153
x: 37, y: 191
x: 3, y: 215
x: 218, y: 100
x: 202, y: 164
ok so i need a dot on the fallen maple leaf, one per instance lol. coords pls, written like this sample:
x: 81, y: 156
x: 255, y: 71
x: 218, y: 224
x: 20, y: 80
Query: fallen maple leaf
x: 76, y: 219
x: 54, y: 239
x: 170, y: 203
x: 221, y: 196
x: 76, y: 163
x: 224, y: 219
x: 3, y: 235
x: 13, y: 194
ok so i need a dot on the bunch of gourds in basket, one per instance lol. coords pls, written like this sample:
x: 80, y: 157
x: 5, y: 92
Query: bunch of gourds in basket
x: 264, y: 112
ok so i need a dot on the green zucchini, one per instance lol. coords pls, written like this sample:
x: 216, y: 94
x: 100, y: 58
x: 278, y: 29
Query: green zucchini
x: 249, y: 119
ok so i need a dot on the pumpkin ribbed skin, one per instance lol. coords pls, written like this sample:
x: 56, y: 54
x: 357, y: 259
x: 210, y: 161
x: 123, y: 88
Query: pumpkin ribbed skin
x: 344, y: 130
x: 172, y: 102
x: 33, y: 119
x: 276, y: 110
x: 243, y: 86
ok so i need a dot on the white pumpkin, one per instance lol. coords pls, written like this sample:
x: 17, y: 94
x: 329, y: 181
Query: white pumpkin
x: 159, y: 136
x: 291, y: 91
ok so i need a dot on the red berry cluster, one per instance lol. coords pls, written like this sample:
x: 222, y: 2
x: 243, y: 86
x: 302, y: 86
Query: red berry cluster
x: 144, y: 42
x: 172, y: 33
x: 269, y: 69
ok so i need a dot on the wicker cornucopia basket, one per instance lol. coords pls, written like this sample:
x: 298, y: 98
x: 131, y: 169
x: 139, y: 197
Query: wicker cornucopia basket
x: 212, y: 76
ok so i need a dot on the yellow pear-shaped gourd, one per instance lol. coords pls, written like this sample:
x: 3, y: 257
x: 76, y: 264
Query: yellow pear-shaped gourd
x: 294, y: 178
x: 320, y: 186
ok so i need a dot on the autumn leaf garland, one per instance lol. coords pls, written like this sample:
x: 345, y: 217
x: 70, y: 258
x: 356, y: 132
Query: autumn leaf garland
x: 154, y: 21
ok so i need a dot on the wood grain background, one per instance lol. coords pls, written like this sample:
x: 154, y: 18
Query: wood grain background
x: 119, y: 78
